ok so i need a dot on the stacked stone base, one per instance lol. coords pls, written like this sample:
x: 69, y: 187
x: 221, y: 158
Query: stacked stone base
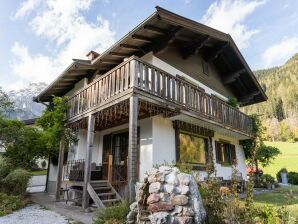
x: 167, y: 196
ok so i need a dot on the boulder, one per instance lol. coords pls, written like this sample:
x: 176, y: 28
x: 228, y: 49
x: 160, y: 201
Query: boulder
x: 184, y: 178
x: 169, y: 188
x: 196, y: 202
x: 164, y: 197
x: 153, y: 198
x: 188, y: 211
x: 165, y: 169
x: 159, y: 218
x: 157, y: 177
x: 160, y: 206
x: 171, y: 178
x: 182, y: 189
x: 154, y: 187
x: 183, y: 220
x: 179, y: 200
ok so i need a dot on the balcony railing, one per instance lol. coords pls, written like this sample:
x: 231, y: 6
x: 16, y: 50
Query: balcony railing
x: 135, y: 74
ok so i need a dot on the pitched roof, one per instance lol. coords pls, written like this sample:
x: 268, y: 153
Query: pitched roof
x: 154, y: 34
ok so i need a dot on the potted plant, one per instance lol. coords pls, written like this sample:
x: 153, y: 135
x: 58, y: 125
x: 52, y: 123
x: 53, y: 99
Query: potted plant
x: 267, y: 181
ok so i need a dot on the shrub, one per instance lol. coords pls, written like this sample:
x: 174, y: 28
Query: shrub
x: 16, y: 181
x: 278, y: 175
x: 10, y: 203
x: 115, y: 214
x: 43, y: 164
x: 293, y: 178
x: 5, y: 168
x: 266, y: 179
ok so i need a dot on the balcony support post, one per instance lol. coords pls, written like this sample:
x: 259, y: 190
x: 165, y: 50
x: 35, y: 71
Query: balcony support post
x: 132, y: 146
x: 60, y: 169
x: 87, y: 170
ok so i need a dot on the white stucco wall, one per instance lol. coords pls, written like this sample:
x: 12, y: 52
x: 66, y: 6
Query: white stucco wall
x: 152, y: 59
x: 163, y: 140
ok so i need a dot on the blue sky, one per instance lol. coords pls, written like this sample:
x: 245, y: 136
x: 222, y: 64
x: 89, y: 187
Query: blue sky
x: 39, y: 38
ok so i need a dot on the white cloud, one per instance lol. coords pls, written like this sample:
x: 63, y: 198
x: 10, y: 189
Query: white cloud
x: 26, y: 8
x: 229, y: 16
x: 68, y: 35
x: 278, y: 53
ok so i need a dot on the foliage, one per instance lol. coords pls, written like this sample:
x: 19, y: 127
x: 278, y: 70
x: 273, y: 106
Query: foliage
x: 265, y: 154
x: 266, y: 179
x: 16, y: 181
x: 5, y: 103
x: 280, y: 111
x: 10, y: 203
x: 5, y: 168
x: 293, y: 178
x: 233, y: 102
x: 26, y: 147
x: 115, y: 214
x: 43, y: 164
x: 278, y: 175
x: 52, y: 123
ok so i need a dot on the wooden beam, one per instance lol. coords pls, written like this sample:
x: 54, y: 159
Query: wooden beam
x: 141, y: 38
x: 129, y: 46
x: 132, y: 146
x: 107, y: 61
x: 195, y: 47
x: 60, y: 168
x: 119, y: 55
x: 248, y: 97
x: 154, y: 29
x: 87, y: 170
x: 217, y: 52
x: 233, y: 76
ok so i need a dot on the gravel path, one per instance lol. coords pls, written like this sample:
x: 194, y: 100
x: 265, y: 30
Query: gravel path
x: 34, y: 214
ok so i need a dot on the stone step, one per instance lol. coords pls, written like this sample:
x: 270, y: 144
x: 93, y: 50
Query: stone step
x: 102, y: 188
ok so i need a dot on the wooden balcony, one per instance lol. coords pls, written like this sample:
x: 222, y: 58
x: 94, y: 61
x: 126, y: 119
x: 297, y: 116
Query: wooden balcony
x: 139, y: 77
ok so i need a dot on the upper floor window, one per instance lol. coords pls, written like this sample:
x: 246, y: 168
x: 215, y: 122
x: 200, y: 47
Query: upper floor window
x: 225, y: 153
x: 205, y: 67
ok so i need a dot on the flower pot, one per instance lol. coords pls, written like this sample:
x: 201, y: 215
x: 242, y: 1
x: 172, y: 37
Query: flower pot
x: 284, y: 177
x: 269, y: 186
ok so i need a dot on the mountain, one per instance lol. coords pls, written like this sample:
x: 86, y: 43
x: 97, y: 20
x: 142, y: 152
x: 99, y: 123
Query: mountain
x: 280, y: 112
x: 24, y: 107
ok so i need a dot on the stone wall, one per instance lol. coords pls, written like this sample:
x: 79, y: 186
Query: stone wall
x: 167, y: 196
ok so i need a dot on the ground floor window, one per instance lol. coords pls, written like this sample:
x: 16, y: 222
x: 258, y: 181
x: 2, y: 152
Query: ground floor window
x: 192, y: 149
x: 225, y: 153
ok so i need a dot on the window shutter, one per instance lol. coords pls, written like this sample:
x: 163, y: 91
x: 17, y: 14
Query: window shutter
x: 218, y: 152
x: 233, y: 154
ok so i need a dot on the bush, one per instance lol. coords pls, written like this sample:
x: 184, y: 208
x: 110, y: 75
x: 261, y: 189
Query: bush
x: 5, y: 168
x: 293, y: 178
x: 266, y: 179
x: 115, y: 214
x: 278, y: 175
x: 16, y: 181
x: 10, y: 203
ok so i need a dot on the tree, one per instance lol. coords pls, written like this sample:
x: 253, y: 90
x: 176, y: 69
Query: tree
x: 5, y: 103
x: 23, y: 145
x: 52, y: 122
x: 255, y: 150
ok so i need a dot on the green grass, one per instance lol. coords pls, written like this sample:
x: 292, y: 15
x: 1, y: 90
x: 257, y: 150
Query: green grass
x: 280, y: 198
x: 38, y: 172
x: 288, y: 158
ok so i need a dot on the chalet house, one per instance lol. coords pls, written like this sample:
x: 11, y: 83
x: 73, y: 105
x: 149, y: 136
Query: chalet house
x: 158, y: 95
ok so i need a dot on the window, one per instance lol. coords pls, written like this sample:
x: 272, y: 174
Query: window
x: 225, y: 153
x: 193, y: 149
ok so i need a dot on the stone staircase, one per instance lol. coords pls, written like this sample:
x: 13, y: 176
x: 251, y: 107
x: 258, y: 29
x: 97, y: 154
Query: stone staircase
x: 103, y: 193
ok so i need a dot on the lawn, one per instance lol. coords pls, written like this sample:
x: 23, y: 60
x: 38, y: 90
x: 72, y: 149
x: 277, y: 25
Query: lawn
x: 280, y: 198
x: 38, y: 172
x: 288, y: 158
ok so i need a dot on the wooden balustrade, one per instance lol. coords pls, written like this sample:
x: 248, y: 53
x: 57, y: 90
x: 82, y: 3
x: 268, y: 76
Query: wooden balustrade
x: 138, y: 74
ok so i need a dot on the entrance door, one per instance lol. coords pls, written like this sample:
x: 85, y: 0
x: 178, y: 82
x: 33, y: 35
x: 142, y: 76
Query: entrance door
x: 120, y: 153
